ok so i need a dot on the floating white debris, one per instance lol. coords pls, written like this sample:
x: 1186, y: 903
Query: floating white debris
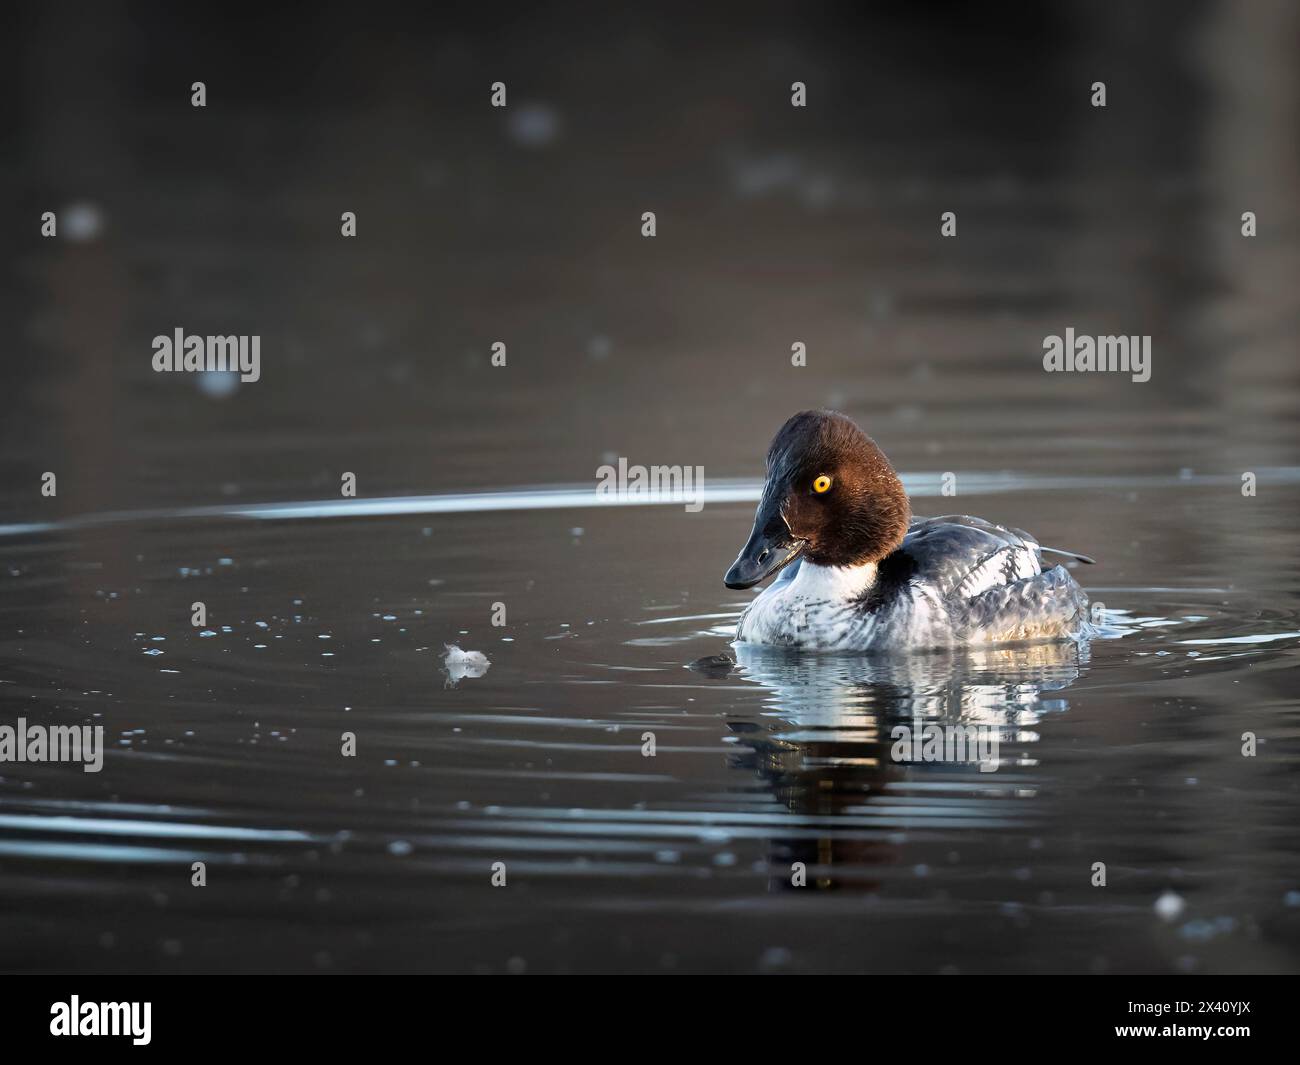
x: 1169, y: 906
x: 460, y: 664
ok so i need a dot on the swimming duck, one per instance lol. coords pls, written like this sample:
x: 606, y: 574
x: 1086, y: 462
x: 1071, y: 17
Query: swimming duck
x: 858, y: 573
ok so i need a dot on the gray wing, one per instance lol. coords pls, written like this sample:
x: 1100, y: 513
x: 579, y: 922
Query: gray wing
x: 965, y: 556
x: 992, y: 581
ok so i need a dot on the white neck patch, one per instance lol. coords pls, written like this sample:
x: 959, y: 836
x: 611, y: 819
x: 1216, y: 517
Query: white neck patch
x: 832, y: 582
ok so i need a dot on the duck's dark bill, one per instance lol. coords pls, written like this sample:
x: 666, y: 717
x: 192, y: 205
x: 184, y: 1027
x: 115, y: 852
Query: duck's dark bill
x: 760, y: 559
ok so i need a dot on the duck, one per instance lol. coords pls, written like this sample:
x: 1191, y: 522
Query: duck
x: 855, y: 571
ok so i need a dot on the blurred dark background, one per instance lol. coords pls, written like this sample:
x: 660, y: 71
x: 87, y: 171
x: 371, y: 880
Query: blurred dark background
x: 775, y: 224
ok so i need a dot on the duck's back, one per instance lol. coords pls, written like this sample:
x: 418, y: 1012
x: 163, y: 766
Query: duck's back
x: 990, y: 581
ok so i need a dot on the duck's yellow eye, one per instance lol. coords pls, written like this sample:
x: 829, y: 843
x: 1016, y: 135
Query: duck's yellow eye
x: 822, y: 484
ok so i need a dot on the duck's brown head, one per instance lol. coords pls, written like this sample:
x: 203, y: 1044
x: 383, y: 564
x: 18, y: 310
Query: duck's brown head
x: 830, y: 496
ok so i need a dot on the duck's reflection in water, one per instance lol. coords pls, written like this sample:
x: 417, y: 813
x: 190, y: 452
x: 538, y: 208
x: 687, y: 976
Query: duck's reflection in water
x: 866, y: 752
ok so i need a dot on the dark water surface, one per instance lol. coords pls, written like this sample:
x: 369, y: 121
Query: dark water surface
x: 775, y: 226
x: 225, y: 748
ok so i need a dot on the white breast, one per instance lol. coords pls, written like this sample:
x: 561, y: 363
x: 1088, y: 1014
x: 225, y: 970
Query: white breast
x: 820, y: 607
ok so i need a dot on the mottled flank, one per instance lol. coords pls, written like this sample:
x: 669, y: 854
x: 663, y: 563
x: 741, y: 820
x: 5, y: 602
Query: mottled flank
x: 955, y: 581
